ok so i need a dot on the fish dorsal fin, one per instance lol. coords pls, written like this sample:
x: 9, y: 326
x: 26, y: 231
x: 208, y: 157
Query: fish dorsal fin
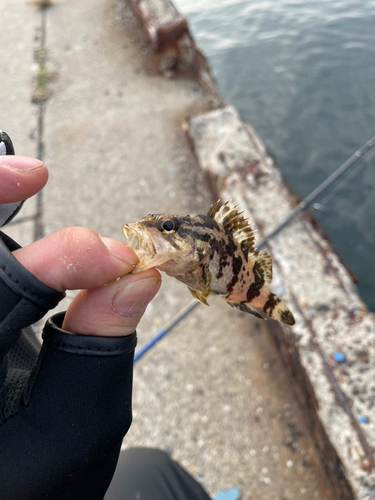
x: 264, y: 261
x: 235, y: 223
x: 214, y: 209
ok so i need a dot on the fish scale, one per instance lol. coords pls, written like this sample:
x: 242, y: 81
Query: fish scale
x: 211, y: 254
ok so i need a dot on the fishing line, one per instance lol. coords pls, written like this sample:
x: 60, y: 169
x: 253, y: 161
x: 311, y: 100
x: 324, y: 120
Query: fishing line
x: 361, y: 154
x: 306, y: 202
x: 352, y: 173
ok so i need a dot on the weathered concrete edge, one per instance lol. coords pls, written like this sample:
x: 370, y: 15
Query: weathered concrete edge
x: 174, y: 49
x: 320, y: 291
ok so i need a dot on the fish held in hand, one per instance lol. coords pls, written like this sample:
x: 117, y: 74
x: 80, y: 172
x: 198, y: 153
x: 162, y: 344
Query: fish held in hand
x: 211, y: 254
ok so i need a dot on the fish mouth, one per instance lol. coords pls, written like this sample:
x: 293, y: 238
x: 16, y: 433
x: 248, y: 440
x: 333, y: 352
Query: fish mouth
x: 140, y: 240
x: 134, y: 239
x: 142, y: 245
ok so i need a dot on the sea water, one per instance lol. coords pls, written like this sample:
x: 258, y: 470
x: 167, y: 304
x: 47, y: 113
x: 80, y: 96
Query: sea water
x: 302, y: 73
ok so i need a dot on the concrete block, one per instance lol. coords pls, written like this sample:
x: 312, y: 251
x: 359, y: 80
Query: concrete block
x: 168, y: 33
x: 173, y: 48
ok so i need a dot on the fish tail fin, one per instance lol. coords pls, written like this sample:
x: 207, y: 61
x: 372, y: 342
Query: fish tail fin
x: 276, y: 309
x: 270, y: 304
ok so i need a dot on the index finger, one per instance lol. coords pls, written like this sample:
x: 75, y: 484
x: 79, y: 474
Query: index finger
x: 76, y: 257
x: 21, y: 177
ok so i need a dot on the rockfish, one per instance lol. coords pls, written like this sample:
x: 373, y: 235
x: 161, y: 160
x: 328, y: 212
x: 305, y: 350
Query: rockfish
x: 211, y: 253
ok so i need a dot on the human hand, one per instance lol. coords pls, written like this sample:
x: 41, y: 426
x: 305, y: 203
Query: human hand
x: 112, y: 301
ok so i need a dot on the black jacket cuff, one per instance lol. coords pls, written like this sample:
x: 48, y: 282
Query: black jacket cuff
x: 85, y: 345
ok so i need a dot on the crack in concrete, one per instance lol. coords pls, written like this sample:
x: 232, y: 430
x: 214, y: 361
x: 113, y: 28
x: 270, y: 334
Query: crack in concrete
x: 38, y: 220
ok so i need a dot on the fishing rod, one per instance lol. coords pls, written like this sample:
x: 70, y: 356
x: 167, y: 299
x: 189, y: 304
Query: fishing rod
x: 303, y: 205
x: 306, y: 202
x: 161, y: 333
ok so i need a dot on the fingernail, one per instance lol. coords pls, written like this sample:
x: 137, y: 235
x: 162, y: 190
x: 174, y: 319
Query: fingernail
x: 20, y: 162
x: 120, y: 251
x: 134, y: 297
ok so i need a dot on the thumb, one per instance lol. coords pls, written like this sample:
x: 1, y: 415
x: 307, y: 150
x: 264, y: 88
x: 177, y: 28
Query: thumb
x: 114, y: 309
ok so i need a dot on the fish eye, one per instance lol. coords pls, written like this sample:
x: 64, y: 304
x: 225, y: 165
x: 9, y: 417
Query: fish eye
x: 168, y: 225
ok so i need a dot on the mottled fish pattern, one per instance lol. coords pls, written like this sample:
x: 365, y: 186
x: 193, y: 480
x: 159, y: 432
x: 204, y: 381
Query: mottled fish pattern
x: 211, y: 253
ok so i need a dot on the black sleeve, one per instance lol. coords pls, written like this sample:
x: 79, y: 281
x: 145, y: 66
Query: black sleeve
x: 64, y: 408
x: 23, y: 299
x: 64, y: 444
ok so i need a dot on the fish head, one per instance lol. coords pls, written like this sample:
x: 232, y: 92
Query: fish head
x: 167, y: 242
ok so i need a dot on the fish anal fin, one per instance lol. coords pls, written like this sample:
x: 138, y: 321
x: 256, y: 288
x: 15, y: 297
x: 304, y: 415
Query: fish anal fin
x: 198, y: 296
x: 221, y: 294
x: 245, y: 308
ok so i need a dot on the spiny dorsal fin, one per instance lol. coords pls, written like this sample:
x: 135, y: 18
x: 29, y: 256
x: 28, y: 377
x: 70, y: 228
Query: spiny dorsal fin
x: 264, y: 261
x: 213, y: 209
x: 235, y: 223
x: 228, y: 217
x: 221, y: 212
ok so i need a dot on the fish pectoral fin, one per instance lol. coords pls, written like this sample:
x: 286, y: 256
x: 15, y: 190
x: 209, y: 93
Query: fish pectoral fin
x: 198, y: 296
x: 205, y: 281
x: 245, y: 308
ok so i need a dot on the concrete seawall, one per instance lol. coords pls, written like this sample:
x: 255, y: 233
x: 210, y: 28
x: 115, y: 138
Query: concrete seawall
x: 337, y: 395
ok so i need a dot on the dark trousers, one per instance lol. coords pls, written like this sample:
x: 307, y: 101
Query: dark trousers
x: 149, y: 474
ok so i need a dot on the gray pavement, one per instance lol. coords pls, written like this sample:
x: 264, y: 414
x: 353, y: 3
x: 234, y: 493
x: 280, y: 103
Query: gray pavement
x: 214, y: 391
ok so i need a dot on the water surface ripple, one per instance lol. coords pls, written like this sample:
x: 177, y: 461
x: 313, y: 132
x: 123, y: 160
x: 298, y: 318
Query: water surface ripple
x: 303, y: 74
